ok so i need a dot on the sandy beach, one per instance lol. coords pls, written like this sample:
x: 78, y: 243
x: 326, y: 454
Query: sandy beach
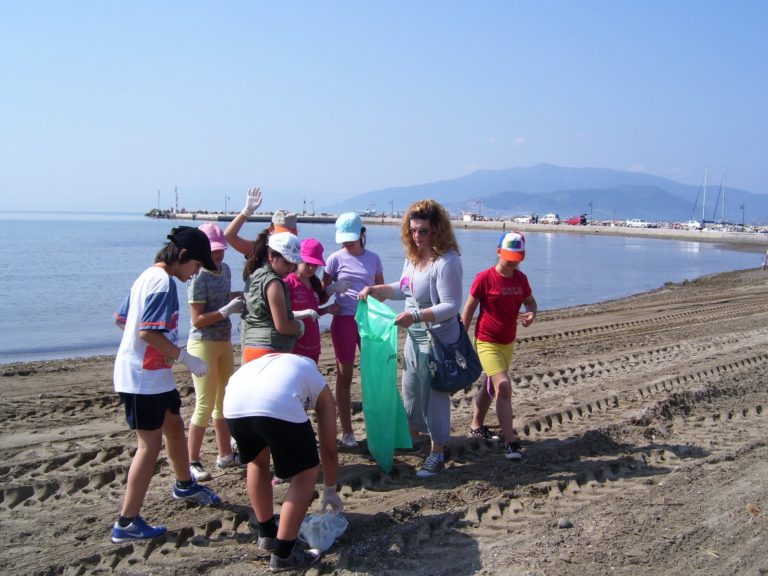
x: 643, y: 419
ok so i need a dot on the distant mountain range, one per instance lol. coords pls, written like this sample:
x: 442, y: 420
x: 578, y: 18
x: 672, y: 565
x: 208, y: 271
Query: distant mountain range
x: 602, y: 193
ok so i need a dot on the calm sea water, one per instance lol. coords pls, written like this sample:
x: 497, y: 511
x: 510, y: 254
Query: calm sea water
x: 66, y: 273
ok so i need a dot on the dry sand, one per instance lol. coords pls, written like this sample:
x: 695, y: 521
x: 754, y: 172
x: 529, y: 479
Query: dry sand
x: 644, y: 421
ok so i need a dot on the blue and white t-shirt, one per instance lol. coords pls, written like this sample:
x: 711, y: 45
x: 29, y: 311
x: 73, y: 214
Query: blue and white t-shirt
x: 153, y: 304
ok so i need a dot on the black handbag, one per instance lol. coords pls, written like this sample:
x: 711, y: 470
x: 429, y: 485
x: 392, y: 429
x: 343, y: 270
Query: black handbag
x: 453, y: 367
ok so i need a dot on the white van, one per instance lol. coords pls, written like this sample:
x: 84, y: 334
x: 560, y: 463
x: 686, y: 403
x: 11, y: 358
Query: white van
x: 637, y: 223
x: 549, y: 219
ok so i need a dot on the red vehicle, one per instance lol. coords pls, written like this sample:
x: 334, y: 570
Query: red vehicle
x: 577, y: 220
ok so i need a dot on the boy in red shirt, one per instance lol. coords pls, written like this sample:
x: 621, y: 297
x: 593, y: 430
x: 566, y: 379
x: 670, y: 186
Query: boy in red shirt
x: 500, y: 291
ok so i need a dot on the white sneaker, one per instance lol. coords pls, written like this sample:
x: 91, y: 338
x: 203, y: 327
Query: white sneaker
x: 228, y: 460
x: 198, y: 472
x: 348, y: 440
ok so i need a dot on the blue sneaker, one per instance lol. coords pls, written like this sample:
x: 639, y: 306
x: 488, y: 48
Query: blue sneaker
x: 197, y: 493
x: 136, y: 530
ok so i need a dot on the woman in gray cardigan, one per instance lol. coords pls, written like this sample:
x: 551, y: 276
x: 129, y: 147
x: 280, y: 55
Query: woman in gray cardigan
x: 430, y: 284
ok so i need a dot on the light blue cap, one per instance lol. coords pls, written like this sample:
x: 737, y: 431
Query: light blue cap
x: 348, y: 227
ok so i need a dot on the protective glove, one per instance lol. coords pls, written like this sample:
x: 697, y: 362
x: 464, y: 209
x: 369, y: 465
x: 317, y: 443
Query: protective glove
x: 308, y: 313
x: 252, y: 202
x: 331, y: 499
x: 194, y: 364
x: 235, y: 306
x: 302, y: 328
x: 338, y: 287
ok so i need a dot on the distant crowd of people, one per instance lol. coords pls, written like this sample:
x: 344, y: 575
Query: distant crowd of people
x: 259, y: 412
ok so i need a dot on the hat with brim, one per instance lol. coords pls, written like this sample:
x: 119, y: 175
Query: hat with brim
x: 287, y: 245
x: 196, y: 243
x: 512, y: 247
x: 284, y: 221
x: 312, y: 252
x: 215, y: 236
x: 348, y: 227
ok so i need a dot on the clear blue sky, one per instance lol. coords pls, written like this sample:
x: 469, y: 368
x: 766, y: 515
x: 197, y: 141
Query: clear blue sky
x: 103, y: 103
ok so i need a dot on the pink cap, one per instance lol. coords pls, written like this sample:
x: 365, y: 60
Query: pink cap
x: 215, y: 235
x: 312, y: 252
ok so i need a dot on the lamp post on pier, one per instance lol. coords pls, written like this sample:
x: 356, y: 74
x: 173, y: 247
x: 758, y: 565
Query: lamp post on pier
x: 226, y: 198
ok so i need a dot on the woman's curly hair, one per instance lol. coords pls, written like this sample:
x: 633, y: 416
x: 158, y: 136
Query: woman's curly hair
x: 443, y: 238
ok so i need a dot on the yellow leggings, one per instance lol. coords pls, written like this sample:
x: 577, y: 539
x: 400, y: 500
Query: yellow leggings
x: 209, y: 389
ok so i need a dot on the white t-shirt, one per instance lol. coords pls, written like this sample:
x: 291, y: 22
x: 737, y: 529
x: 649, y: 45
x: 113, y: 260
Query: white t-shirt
x: 282, y: 386
x: 153, y: 304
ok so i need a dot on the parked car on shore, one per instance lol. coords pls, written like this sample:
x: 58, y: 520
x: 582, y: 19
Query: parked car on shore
x: 530, y: 219
x: 549, y: 219
x: 637, y: 223
x: 691, y: 225
x: 577, y: 220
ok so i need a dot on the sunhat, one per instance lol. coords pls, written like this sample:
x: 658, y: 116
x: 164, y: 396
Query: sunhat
x: 287, y: 245
x: 215, y: 235
x: 195, y: 242
x: 348, y: 227
x: 512, y: 246
x: 284, y: 221
x: 312, y: 252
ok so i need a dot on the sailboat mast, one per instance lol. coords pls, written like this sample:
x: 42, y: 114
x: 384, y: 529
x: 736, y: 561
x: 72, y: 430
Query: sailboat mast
x: 722, y: 185
x: 704, y: 197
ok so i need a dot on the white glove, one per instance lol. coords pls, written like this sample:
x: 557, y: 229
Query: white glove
x: 308, y: 313
x: 302, y: 328
x: 338, y: 286
x: 194, y: 364
x: 235, y: 306
x: 252, y: 201
x: 331, y: 499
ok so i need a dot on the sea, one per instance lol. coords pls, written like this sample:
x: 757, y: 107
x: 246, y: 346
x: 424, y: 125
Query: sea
x: 66, y: 273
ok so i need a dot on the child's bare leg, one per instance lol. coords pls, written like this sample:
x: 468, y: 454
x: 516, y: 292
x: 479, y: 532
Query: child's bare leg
x: 176, y: 445
x: 296, y: 503
x: 482, y: 404
x: 343, y: 396
x: 504, y: 405
x: 195, y: 441
x: 141, y: 471
x: 259, y: 486
x: 223, y: 437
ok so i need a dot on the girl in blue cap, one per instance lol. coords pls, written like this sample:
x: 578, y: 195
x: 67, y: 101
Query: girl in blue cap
x: 347, y: 272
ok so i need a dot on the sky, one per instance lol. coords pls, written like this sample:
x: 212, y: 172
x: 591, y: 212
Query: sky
x: 111, y: 105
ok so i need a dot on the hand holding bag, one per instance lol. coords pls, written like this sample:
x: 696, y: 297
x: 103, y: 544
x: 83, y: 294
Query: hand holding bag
x: 453, y: 367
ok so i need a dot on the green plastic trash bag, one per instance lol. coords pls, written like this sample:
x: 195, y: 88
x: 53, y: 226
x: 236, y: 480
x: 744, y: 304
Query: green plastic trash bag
x: 386, y: 424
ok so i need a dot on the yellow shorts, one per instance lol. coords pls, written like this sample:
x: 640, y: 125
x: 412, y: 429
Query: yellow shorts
x: 495, y: 358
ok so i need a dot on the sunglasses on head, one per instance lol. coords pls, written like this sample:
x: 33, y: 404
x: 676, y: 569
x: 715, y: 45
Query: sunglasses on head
x: 420, y: 231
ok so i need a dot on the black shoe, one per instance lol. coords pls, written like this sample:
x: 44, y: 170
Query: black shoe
x: 297, y: 560
x: 484, y: 433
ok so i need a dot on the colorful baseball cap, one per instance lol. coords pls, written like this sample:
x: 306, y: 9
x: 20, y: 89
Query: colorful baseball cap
x: 287, y: 245
x: 512, y: 246
x: 284, y: 221
x: 348, y: 227
x: 312, y: 252
x: 215, y: 235
x: 194, y: 241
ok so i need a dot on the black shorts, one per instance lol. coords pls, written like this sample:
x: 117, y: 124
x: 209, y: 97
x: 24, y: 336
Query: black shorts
x: 293, y: 446
x: 147, y: 411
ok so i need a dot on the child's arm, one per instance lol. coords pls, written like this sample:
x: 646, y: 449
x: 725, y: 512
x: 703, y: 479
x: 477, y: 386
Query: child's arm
x: 159, y: 342
x: 202, y: 319
x: 252, y: 203
x: 469, y: 311
x: 531, y: 309
x: 279, y: 309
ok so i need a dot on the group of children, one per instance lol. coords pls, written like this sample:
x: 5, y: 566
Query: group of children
x: 280, y: 305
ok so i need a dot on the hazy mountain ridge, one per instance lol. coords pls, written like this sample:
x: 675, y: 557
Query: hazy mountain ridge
x: 613, y: 194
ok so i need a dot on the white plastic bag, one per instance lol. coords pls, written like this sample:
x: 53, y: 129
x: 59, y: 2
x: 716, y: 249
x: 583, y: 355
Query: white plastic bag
x: 321, y: 530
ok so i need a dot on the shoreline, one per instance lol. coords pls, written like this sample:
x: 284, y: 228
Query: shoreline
x: 14, y: 367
